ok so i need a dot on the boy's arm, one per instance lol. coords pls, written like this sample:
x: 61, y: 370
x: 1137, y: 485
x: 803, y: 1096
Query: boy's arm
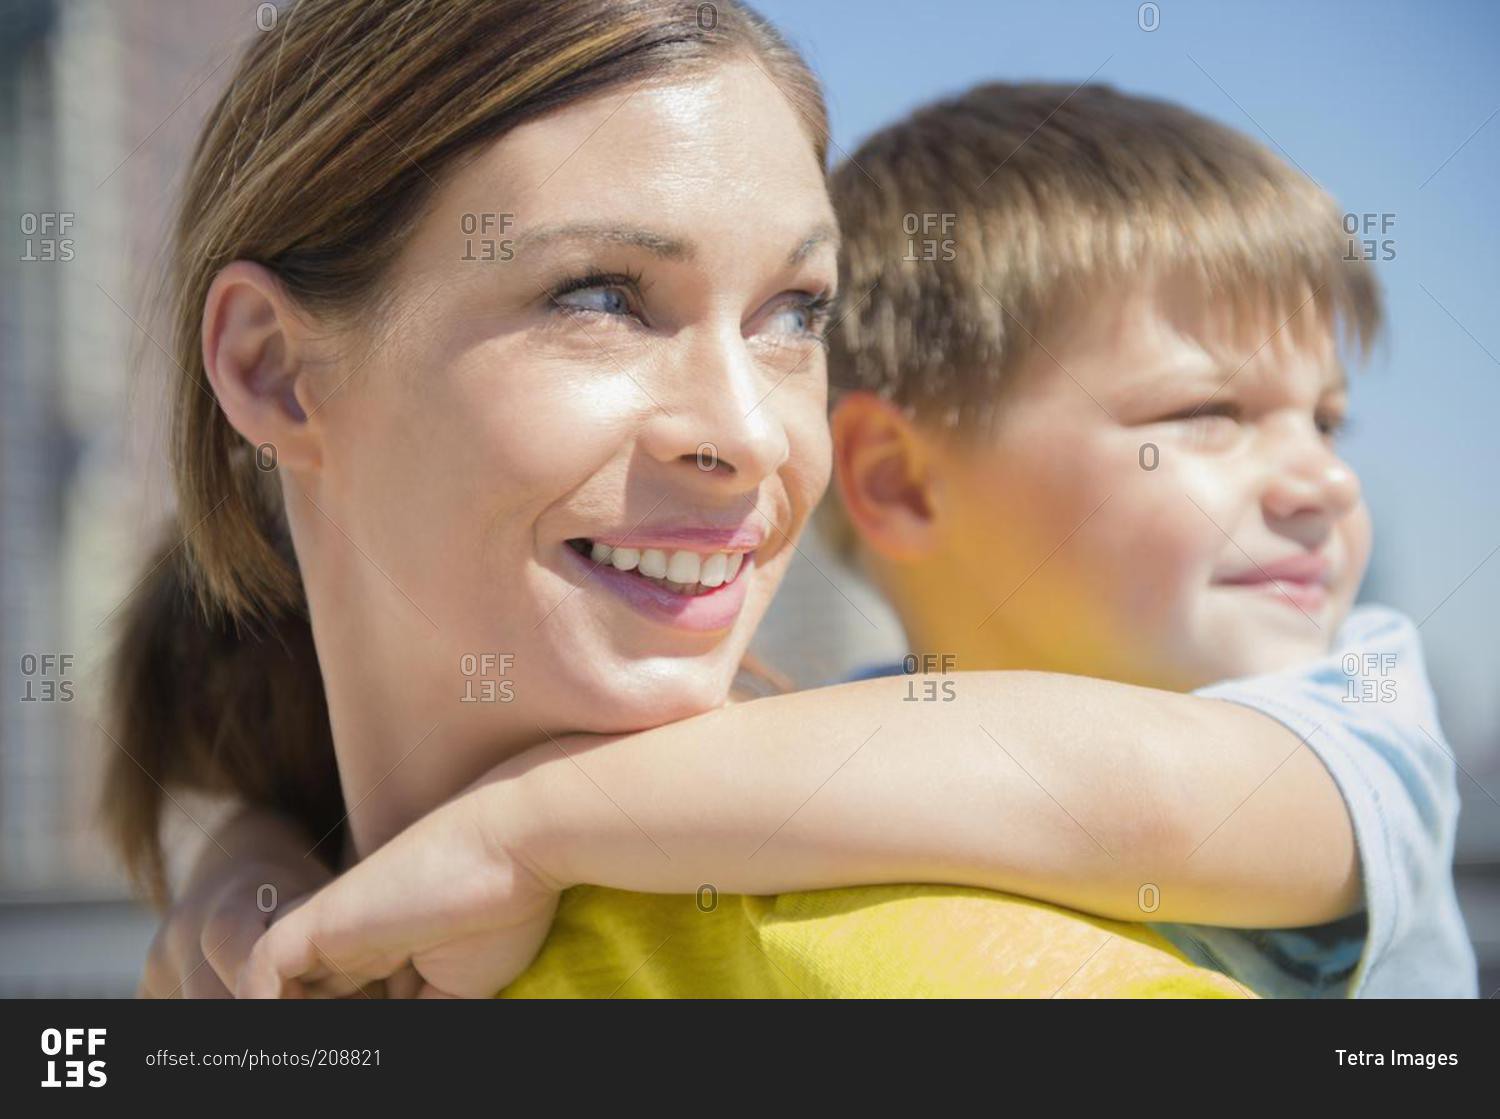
x: 1127, y: 802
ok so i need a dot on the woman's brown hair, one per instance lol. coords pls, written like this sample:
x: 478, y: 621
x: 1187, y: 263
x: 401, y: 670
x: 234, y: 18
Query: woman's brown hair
x: 316, y: 162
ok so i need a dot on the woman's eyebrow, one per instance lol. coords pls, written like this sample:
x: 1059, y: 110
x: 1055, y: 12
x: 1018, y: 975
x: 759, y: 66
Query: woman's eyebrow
x: 659, y: 244
x: 821, y: 234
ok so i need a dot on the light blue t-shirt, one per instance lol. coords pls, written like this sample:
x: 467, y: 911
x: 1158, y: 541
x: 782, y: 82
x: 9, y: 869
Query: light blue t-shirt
x: 1367, y: 711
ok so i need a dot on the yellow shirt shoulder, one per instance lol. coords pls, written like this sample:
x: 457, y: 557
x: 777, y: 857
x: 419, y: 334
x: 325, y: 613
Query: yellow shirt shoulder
x: 904, y: 941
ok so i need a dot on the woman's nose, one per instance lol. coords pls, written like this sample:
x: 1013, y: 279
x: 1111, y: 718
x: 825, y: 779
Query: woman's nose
x: 718, y: 417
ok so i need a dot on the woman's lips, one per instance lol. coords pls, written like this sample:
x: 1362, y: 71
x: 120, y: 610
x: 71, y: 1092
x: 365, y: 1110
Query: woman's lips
x: 711, y: 610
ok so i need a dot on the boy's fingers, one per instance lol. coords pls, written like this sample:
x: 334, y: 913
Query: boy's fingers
x: 151, y: 978
x: 145, y: 991
x: 227, y: 944
x: 189, y: 977
x: 202, y: 983
x: 405, y: 984
x: 282, y: 953
x: 287, y: 908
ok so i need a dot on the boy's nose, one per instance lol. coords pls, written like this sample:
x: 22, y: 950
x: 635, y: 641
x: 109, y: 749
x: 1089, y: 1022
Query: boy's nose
x: 1310, y: 481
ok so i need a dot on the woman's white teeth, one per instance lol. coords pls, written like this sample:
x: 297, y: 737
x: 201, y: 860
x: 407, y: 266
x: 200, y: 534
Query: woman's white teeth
x: 711, y: 574
x: 653, y: 563
x: 681, y: 569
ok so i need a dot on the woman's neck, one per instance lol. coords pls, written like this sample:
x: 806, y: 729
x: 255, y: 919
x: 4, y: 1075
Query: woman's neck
x: 403, y: 741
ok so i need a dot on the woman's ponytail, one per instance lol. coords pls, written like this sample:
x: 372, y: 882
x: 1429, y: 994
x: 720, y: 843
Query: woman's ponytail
x: 201, y: 702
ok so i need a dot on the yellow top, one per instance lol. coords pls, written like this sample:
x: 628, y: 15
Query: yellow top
x: 863, y: 942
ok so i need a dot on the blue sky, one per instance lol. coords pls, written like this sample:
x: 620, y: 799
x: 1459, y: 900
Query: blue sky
x: 1392, y: 107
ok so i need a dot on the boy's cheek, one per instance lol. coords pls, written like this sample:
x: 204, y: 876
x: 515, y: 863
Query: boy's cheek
x: 1358, y: 532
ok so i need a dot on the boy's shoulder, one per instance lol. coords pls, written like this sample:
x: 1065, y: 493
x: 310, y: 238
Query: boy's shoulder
x: 1371, y: 624
x: 1367, y: 710
x: 1370, y: 688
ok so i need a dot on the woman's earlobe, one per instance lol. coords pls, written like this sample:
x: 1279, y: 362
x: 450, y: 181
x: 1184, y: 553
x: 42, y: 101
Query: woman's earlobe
x: 254, y: 353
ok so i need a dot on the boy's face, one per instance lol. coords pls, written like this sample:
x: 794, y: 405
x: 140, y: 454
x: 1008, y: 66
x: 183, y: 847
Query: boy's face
x: 1162, y: 502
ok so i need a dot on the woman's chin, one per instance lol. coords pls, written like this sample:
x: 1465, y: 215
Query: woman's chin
x: 611, y: 709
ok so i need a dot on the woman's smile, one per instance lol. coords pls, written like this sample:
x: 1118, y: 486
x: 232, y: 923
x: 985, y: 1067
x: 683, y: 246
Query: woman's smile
x: 699, y: 588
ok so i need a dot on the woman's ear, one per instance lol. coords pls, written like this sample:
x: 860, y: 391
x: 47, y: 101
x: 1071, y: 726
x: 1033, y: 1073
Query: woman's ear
x: 885, y: 472
x: 255, y: 350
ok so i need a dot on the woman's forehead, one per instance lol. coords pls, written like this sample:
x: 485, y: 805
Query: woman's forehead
x: 724, y: 137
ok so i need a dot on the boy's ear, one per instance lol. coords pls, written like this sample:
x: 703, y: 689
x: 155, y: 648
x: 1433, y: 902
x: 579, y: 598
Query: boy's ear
x: 884, y: 470
x: 255, y: 349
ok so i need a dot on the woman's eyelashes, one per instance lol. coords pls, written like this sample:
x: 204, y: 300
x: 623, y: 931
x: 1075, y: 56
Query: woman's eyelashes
x: 604, y: 295
x: 801, y: 314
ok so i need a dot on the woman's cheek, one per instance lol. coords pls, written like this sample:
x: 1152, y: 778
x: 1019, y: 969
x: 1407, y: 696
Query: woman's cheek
x: 810, y: 468
x: 543, y: 427
x: 803, y: 415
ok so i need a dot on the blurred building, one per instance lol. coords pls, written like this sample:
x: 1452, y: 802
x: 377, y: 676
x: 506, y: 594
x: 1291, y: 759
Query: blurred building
x: 98, y: 102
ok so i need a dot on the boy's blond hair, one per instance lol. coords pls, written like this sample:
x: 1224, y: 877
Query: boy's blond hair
x: 975, y: 226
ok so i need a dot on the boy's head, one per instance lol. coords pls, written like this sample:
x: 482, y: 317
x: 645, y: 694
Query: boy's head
x: 1087, y: 390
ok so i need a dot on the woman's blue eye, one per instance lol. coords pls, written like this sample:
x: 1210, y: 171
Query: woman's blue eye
x: 603, y: 300
x: 797, y: 318
x: 806, y: 315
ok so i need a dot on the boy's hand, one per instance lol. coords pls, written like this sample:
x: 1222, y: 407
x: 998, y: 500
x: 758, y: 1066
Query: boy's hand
x: 208, y: 933
x: 448, y: 908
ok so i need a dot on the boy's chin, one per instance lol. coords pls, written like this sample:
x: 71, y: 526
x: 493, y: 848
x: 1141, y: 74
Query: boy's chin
x: 1264, y: 651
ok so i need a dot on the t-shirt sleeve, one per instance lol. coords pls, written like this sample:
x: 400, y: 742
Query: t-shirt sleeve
x: 1367, y: 711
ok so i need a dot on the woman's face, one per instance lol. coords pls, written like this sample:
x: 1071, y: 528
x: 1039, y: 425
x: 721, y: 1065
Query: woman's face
x: 601, y: 357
